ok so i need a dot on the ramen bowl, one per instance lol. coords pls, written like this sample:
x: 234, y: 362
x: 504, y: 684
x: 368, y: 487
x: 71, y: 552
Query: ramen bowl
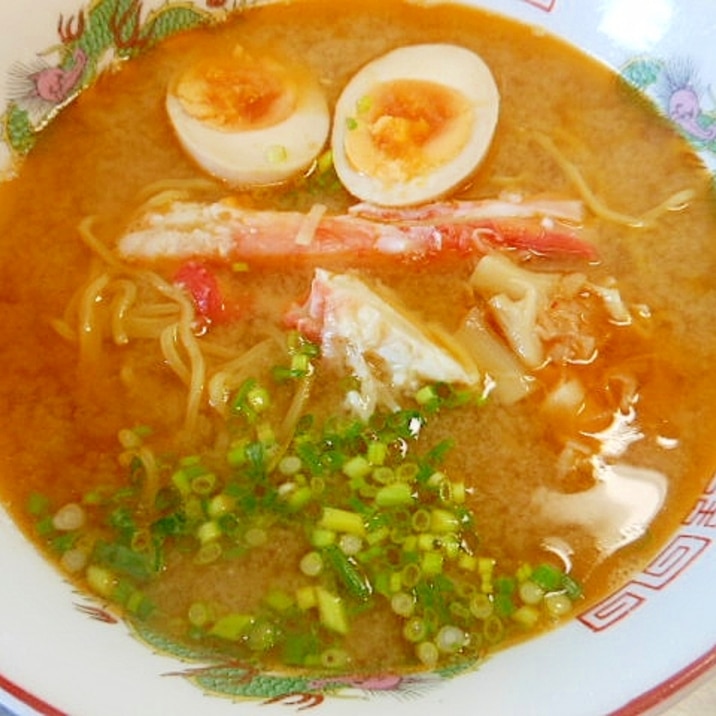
x: 637, y: 650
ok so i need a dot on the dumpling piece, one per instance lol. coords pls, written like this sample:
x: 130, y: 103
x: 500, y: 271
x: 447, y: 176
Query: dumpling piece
x: 414, y: 124
x: 249, y: 118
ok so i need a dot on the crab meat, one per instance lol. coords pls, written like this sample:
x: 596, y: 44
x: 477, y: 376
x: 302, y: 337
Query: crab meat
x: 225, y: 231
x: 389, y: 350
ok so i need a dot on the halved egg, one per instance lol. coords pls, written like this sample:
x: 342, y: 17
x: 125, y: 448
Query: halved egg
x: 248, y: 118
x: 414, y: 124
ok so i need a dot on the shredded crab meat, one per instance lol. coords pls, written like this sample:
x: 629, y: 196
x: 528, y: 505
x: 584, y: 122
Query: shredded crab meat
x: 388, y: 350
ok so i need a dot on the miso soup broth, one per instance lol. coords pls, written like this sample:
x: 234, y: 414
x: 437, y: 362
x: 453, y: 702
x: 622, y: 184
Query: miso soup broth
x: 279, y: 424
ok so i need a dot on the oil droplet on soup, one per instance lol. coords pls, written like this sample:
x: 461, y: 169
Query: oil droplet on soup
x: 282, y: 417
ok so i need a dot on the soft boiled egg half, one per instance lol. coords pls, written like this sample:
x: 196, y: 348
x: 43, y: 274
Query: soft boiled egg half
x: 248, y: 118
x: 414, y: 123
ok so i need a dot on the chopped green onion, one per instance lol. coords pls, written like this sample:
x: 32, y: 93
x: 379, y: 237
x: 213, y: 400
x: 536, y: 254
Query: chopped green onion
x: 258, y: 399
x: 37, y: 504
x: 236, y: 456
x: 331, y: 611
x: 357, y: 467
x: 209, y: 531
x: 298, y: 498
x: 377, y: 536
x: 123, y: 560
x: 572, y: 587
x: 300, y: 364
x: 265, y: 434
x: 262, y: 636
x: 420, y: 520
x: 530, y: 592
x: 290, y: 465
x: 504, y: 605
x: 174, y: 524
x: 382, y: 515
x: 451, y: 546
x: 311, y: 564
x: 100, y: 580
x: 325, y: 161
x: 485, y: 567
x: 349, y: 573
x: 427, y: 542
x: 74, y: 560
x: 208, y: 553
x: 306, y: 598
x: 410, y: 575
x: 276, y: 154
x: 524, y: 572
x: 427, y: 396
x: 221, y: 504
x: 396, y: 494
x: 466, y: 561
x: 44, y: 527
x: 203, y: 484
x: 255, y: 536
x: 69, y: 517
x: 527, y: 616
x: 350, y: 544
x: 493, y: 629
x: 415, y: 629
x: 340, y: 520
x: 459, y: 610
x: 431, y: 563
x: 444, y: 521
x: 335, y: 658
x: 376, y: 453
x: 547, y: 576
x: 427, y: 653
x: 407, y: 472
x: 64, y: 542
x: 481, y: 606
x: 317, y: 485
x: 364, y: 104
x: 199, y: 614
x: 141, y: 541
x: 558, y: 604
x: 321, y: 537
x: 459, y: 492
x: 450, y: 639
x: 403, y: 604
x: 231, y: 626
x: 181, y: 481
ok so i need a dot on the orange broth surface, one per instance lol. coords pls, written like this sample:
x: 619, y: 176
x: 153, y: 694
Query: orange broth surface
x: 65, y: 401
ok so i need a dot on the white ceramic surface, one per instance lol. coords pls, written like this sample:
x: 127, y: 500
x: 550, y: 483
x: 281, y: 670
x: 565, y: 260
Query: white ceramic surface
x: 635, y: 652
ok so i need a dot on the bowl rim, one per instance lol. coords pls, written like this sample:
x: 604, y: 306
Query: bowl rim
x: 558, y: 17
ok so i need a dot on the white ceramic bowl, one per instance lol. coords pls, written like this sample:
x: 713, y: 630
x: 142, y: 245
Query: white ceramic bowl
x: 635, y: 652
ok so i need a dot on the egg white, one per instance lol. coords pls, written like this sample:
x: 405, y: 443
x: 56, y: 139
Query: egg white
x: 261, y: 155
x: 462, y: 73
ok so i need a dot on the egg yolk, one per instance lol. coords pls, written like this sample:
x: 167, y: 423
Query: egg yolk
x: 236, y: 92
x: 406, y: 128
